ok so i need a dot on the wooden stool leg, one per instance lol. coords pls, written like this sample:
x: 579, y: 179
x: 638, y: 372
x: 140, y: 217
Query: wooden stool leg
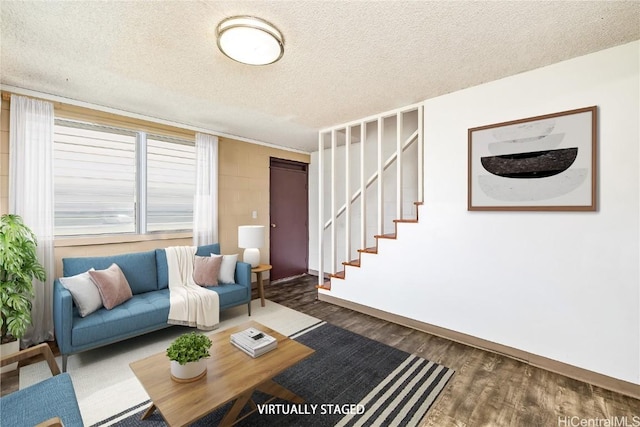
x: 260, y: 288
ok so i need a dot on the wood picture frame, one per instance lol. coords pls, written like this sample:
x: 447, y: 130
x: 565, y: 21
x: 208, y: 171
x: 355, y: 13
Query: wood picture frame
x: 542, y: 163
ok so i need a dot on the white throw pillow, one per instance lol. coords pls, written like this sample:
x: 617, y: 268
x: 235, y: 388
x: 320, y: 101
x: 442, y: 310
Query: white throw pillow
x: 84, y: 292
x: 228, y: 268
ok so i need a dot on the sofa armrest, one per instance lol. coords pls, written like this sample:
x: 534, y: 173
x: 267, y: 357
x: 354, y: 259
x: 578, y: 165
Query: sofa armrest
x: 62, y: 316
x: 243, y: 274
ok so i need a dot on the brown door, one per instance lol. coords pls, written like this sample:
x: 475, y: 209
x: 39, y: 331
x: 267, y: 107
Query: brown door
x: 289, y: 212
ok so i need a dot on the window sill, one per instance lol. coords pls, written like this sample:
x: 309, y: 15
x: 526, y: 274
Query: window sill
x: 125, y: 238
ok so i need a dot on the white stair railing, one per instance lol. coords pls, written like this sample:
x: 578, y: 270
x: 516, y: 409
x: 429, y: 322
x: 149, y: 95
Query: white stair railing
x: 383, y: 140
x: 372, y: 179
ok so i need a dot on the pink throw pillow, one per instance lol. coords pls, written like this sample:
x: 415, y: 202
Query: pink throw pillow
x: 113, y: 286
x: 206, y: 269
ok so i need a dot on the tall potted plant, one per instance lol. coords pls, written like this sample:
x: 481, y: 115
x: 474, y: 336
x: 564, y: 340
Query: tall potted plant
x: 19, y: 266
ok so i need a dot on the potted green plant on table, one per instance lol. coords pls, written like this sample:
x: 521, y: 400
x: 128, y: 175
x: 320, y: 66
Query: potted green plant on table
x: 187, y: 354
x: 19, y: 266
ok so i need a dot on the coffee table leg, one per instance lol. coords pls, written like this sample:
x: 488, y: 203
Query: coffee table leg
x: 149, y: 411
x: 274, y: 389
x: 231, y: 416
x: 269, y: 387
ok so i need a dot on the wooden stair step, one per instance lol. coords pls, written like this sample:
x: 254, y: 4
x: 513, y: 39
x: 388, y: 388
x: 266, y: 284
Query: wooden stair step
x: 386, y: 236
x: 338, y: 275
x: 373, y: 250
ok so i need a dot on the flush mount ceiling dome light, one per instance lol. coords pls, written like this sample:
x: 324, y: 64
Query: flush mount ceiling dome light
x: 250, y: 40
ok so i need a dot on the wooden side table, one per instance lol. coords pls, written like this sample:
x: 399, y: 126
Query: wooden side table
x: 259, y: 270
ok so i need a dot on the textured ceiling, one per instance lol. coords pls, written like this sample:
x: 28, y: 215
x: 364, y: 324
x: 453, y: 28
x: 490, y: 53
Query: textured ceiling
x: 343, y: 60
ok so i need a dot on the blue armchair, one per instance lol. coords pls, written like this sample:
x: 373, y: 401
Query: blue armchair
x: 51, y: 402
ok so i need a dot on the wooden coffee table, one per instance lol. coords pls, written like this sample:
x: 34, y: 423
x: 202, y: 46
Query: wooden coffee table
x: 232, y: 375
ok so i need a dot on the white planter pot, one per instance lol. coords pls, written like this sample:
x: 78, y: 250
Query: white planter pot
x: 7, y: 349
x: 188, y: 372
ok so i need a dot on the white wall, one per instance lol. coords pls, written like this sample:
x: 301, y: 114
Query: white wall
x: 563, y: 285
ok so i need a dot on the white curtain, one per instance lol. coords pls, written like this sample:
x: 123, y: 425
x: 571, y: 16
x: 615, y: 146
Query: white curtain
x: 31, y: 197
x: 205, y: 205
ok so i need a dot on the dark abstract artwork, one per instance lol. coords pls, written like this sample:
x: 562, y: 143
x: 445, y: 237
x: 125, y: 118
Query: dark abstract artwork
x: 540, y: 163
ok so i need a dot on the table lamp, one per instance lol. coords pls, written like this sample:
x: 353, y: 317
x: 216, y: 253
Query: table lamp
x: 251, y: 237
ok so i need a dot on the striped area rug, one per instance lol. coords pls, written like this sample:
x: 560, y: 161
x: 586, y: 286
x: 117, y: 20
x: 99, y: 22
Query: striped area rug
x: 349, y: 381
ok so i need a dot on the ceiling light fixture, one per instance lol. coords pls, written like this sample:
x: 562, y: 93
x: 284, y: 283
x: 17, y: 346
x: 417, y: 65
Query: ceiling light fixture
x: 250, y: 40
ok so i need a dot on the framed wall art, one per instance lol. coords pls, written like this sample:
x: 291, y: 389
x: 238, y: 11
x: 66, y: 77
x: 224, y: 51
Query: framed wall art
x: 544, y: 163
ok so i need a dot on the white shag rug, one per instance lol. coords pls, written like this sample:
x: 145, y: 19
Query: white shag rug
x: 104, y: 383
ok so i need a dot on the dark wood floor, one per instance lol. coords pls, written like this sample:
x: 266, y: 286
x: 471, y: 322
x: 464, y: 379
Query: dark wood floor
x: 486, y: 390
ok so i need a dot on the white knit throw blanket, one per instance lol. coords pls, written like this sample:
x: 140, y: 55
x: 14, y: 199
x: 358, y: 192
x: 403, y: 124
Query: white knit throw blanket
x: 190, y: 304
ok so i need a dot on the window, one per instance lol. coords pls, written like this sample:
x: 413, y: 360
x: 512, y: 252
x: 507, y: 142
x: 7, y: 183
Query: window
x: 109, y: 181
x: 171, y: 184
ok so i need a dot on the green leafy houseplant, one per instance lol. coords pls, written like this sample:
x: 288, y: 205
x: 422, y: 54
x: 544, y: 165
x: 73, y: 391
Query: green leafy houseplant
x: 18, y: 267
x: 189, y: 347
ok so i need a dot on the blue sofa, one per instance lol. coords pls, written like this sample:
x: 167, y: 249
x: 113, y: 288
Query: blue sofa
x: 148, y: 310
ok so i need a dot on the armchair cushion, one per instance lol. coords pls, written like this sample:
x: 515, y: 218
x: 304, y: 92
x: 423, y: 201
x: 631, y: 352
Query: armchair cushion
x: 45, y: 403
x: 53, y: 397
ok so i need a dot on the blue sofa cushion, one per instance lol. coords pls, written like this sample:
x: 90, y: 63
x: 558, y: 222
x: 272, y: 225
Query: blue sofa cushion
x: 207, y: 250
x: 231, y: 294
x: 163, y: 268
x: 139, y: 268
x: 53, y: 397
x: 146, y: 311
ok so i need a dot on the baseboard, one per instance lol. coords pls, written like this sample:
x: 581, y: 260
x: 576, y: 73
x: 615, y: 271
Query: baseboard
x: 580, y: 374
x: 315, y: 273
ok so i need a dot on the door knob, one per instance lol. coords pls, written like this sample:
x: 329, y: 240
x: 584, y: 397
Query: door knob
x: 273, y: 226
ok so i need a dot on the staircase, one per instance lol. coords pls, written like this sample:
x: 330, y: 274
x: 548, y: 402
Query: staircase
x: 372, y: 250
x: 384, y: 142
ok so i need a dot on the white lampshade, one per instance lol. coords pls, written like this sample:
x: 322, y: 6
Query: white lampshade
x: 251, y: 237
x: 250, y: 40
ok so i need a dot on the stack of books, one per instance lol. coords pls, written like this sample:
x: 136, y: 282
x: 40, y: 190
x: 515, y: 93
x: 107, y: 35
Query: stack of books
x: 253, y: 342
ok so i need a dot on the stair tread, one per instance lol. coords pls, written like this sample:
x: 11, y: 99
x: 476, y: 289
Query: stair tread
x: 372, y: 250
x: 338, y: 275
x: 385, y: 236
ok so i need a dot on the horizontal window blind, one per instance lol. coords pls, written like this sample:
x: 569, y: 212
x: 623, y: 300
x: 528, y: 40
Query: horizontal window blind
x: 95, y: 181
x: 171, y: 179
